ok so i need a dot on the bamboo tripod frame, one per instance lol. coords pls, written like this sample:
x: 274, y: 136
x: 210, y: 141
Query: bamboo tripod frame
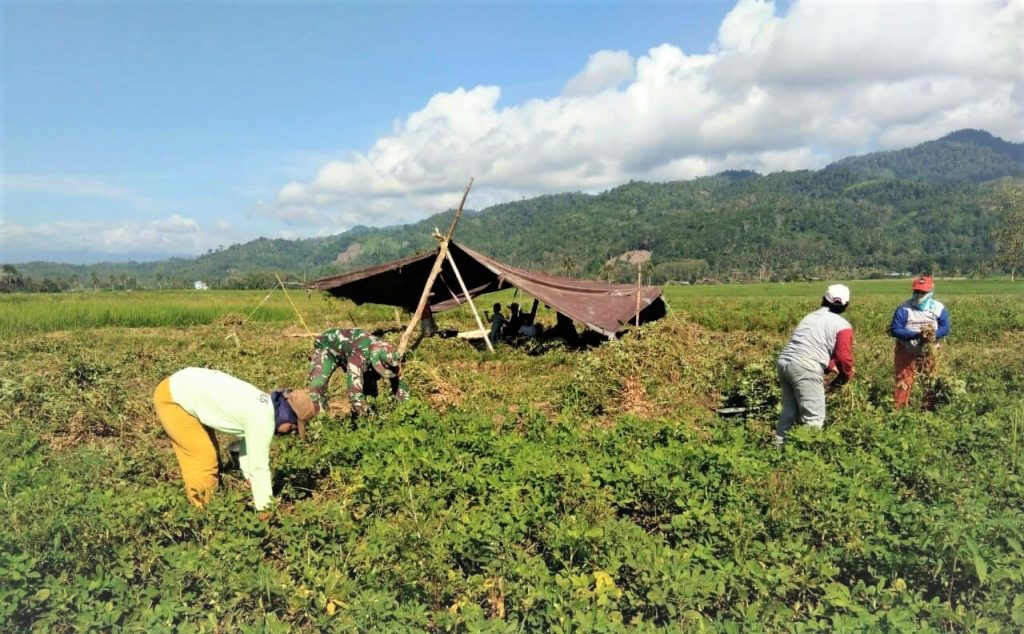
x: 442, y: 255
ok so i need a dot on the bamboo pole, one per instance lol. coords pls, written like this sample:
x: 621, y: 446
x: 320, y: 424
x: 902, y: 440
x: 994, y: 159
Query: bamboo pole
x: 638, y: 291
x: 234, y: 333
x: 297, y: 313
x: 469, y: 299
x: 403, y: 345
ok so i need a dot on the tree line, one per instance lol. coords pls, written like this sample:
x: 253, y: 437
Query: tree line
x: 951, y: 206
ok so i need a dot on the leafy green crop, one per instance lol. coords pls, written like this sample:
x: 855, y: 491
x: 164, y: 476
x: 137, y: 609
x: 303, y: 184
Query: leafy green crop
x: 567, y: 492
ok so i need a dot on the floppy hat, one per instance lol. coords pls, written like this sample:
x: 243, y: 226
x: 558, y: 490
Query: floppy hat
x: 837, y: 294
x: 923, y: 283
x: 303, y: 406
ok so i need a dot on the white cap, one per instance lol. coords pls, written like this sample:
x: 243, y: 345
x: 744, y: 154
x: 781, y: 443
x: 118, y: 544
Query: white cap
x: 837, y: 294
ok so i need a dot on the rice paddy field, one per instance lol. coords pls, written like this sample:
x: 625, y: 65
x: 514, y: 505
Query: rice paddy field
x: 535, y: 489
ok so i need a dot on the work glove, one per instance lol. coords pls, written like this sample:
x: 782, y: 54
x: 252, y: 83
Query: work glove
x: 835, y: 384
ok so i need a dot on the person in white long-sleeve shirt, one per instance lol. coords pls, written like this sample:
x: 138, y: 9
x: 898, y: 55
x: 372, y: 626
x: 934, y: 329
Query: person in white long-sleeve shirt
x: 195, y: 403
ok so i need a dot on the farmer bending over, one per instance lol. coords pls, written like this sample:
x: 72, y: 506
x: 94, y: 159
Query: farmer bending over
x: 360, y: 353
x: 195, y: 403
x: 822, y: 342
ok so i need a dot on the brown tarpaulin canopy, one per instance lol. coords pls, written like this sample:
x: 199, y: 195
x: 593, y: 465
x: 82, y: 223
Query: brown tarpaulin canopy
x: 606, y: 308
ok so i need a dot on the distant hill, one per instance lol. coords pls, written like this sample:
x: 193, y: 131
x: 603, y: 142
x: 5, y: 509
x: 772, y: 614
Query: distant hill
x: 971, y: 156
x: 924, y: 208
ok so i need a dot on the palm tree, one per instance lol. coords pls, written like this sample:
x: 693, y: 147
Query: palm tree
x: 10, y: 274
x: 10, y: 278
x: 569, y: 264
x: 607, y: 271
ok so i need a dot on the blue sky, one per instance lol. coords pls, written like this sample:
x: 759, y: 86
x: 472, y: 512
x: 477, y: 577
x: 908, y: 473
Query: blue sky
x: 145, y: 130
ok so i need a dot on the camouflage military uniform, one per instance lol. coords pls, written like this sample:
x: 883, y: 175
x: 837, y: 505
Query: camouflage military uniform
x: 359, y: 352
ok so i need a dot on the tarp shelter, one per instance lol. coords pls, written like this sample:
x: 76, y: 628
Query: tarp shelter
x: 606, y: 308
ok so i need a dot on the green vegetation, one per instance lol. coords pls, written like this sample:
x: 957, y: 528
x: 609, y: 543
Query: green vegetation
x: 963, y: 156
x: 1010, y: 233
x: 563, y: 492
x: 940, y: 207
x: 20, y: 314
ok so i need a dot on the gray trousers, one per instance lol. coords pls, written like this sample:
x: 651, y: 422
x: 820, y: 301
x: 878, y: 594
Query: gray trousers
x: 803, y: 394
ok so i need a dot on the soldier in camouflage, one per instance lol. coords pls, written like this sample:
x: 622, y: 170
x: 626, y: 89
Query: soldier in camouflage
x: 359, y: 352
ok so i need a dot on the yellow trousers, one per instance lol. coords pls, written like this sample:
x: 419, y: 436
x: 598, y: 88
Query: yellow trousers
x: 194, y: 444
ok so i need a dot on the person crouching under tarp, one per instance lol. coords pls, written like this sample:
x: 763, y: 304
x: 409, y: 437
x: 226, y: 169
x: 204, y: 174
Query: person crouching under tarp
x: 195, y: 403
x: 360, y: 353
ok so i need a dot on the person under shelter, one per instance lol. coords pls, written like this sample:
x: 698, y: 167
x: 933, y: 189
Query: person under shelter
x: 497, y: 321
x: 564, y: 329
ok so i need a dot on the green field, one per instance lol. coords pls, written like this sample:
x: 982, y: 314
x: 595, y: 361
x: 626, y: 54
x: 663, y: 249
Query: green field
x: 563, y: 491
x: 31, y: 313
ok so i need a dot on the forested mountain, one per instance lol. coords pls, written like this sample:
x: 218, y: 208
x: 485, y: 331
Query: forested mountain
x: 931, y: 207
x: 972, y: 156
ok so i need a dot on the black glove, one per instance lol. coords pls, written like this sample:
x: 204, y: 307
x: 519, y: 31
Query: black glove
x: 837, y: 384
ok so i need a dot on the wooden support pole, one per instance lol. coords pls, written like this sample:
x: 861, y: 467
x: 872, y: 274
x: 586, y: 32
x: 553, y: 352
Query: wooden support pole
x: 638, y: 290
x: 469, y: 299
x: 403, y: 345
x: 297, y: 313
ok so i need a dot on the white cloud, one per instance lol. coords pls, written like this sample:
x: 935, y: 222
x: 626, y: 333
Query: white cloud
x: 156, y: 239
x: 827, y: 79
x: 749, y: 27
x: 175, y: 225
x: 604, y: 70
x: 81, y: 186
